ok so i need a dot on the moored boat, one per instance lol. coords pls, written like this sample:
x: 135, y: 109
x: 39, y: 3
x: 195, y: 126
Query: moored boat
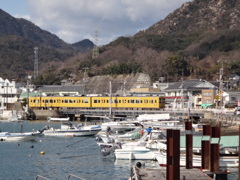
x: 224, y: 161
x: 67, y: 128
x: 27, y: 136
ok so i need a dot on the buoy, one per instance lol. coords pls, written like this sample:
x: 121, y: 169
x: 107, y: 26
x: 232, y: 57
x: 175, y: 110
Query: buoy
x: 42, y: 152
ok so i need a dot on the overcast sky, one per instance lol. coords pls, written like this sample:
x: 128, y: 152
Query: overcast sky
x: 75, y: 20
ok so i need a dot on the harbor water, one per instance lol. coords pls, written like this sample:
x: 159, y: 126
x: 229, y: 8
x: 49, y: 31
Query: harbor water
x: 79, y: 156
x: 57, y: 157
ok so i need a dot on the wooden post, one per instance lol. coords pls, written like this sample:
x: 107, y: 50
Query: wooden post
x: 173, y: 154
x: 189, y: 145
x: 205, y: 153
x: 239, y: 153
x: 215, y: 154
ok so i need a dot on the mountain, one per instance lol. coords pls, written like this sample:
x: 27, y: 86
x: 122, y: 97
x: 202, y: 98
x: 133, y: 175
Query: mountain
x: 193, y: 41
x: 18, y: 37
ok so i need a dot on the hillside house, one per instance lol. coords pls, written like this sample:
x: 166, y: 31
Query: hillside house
x: 8, y: 93
x: 190, y: 93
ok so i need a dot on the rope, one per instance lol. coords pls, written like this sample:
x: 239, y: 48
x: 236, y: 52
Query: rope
x: 77, y: 142
x: 77, y: 156
x: 87, y: 145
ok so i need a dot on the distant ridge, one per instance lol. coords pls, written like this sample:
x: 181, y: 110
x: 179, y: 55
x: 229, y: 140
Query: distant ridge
x: 19, y: 37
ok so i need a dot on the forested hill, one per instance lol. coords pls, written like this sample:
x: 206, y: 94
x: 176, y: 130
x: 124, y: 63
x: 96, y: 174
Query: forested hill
x: 191, y: 42
x: 18, y: 37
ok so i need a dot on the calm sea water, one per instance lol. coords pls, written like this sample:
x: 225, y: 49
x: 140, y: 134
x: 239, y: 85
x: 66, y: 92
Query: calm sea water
x: 63, y: 156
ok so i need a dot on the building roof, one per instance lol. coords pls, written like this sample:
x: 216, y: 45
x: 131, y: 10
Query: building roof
x: 191, y: 84
x: 63, y: 88
x: 233, y: 93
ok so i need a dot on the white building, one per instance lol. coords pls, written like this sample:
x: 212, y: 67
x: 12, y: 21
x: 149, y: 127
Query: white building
x: 8, y: 93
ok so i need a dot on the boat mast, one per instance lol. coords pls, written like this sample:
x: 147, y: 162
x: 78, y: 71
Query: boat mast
x: 110, y: 99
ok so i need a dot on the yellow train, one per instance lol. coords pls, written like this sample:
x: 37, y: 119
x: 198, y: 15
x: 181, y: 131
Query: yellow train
x: 97, y: 102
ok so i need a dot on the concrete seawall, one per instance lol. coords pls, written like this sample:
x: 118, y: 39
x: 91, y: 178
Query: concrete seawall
x: 43, y: 114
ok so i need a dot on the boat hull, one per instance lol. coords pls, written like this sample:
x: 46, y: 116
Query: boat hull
x: 75, y: 133
x: 225, y: 161
x: 137, y: 153
x: 15, y: 137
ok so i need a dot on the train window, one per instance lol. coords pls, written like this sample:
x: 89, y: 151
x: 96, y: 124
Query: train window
x: 98, y: 101
x: 145, y: 101
x: 151, y: 101
x: 51, y: 101
x: 95, y: 101
x: 54, y: 101
x: 120, y: 101
x: 137, y: 101
x: 124, y: 101
x: 107, y: 101
x: 70, y: 101
x: 65, y: 101
x: 85, y: 101
x: 46, y: 101
x: 115, y: 101
x: 141, y: 101
x: 62, y: 101
x: 132, y: 101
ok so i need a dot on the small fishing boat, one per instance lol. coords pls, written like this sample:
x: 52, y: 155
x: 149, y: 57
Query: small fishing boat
x: 142, y: 149
x: 10, y: 137
x: 68, y: 128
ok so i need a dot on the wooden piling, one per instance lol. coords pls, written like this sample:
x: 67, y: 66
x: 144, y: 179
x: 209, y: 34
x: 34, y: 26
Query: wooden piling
x: 215, y: 154
x: 205, y: 144
x: 189, y: 145
x: 173, y: 154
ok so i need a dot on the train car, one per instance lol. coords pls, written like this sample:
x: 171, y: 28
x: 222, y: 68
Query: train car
x: 143, y: 102
x: 117, y: 102
x: 57, y: 102
x: 103, y: 102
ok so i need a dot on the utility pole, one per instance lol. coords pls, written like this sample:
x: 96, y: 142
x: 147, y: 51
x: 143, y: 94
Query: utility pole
x: 221, y: 87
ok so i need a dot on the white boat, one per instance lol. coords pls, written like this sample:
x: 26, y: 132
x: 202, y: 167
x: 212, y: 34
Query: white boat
x: 142, y: 149
x: 69, y: 129
x: 107, y: 137
x: 224, y: 161
x: 9, y: 137
x: 119, y: 126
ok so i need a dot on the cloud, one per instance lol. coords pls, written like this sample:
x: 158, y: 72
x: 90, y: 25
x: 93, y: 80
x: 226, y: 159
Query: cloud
x: 75, y: 20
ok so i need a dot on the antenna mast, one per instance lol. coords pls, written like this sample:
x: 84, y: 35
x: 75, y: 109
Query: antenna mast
x: 35, y: 62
